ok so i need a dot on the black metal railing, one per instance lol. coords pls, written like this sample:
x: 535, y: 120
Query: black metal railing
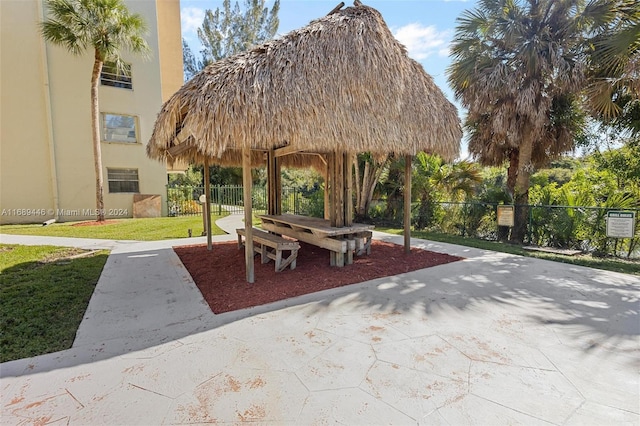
x: 185, y: 200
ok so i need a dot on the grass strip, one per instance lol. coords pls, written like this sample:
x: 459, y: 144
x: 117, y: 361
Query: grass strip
x: 43, y: 297
x: 614, y: 264
x: 149, y: 229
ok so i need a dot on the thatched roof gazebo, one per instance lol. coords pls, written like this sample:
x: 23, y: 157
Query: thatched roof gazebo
x: 317, y: 96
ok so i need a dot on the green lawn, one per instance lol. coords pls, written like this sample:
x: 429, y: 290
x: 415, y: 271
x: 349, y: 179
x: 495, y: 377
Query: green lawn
x: 43, y: 297
x: 152, y: 229
x: 609, y: 264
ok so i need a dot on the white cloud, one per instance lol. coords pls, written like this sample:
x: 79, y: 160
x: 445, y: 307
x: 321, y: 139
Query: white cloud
x: 191, y: 19
x: 421, y: 42
x: 445, y: 52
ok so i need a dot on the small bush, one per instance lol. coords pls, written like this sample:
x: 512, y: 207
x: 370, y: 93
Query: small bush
x: 191, y: 207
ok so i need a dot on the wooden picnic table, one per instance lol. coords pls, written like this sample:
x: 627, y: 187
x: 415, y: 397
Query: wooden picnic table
x: 341, y: 241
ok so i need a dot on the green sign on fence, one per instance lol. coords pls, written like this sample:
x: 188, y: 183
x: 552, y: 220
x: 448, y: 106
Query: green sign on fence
x: 621, y: 224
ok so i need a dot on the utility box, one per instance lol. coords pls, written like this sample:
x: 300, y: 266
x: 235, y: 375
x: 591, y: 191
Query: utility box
x: 147, y: 205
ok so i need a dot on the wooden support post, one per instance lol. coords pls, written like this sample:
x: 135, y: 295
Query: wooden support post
x: 271, y: 182
x: 248, y: 213
x: 407, y: 204
x: 337, y: 203
x: 207, y: 205
x: 330, y: 187
x: 348, y: 189
x: 327, y: 202
x: 339, y: 192
x: 278, y: 185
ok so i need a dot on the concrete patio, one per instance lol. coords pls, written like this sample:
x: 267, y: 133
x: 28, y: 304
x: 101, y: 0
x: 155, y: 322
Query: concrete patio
x: 492, y: 339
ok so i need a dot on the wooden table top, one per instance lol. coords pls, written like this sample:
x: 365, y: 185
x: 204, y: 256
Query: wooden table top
x: 317, y: 226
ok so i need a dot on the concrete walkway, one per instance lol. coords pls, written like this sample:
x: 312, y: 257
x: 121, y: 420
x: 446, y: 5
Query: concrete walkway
x: 492, y: 339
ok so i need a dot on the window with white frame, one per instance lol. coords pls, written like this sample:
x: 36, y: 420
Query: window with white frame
x: 115, y: 76
x: 123, y: 180
x: 119, y: 128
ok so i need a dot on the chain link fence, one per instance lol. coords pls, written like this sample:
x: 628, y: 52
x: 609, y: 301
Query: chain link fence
x: 564, y: 227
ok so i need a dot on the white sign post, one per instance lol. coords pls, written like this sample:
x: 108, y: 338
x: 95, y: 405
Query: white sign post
x: 205, y: 219
x: 621, y: 224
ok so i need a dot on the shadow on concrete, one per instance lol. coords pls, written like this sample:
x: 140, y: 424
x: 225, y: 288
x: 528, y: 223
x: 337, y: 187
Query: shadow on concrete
x: 156, y: 302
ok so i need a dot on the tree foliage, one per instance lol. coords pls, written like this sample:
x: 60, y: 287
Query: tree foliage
x: 229, y: 30
x: 190, y: 64
x: 624, y: 164
x: 433, y: 181
x: 614, y: 89
x: 191, y: 177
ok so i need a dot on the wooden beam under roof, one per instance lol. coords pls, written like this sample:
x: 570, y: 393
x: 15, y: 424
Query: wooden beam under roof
x: 179, y: 149
x: 179, y: 145
x: 285, y: 150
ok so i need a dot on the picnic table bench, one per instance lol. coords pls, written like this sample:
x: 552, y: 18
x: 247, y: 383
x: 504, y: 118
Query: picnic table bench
x: 341, y: 241
x: 264, y: 240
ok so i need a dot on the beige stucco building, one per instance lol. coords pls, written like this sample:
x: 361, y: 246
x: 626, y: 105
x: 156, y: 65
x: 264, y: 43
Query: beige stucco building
x: 46, y: 154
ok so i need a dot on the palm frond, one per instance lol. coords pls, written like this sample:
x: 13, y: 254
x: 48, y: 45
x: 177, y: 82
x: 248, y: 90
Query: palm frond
x: 102, y: 25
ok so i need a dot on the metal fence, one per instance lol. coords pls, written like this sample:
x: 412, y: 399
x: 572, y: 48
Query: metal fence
x: 567, y: 227
x: 573, y: 227
x: 184, y: 200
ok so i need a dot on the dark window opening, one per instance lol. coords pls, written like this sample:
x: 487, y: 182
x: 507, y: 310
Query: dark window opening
x: 112, y: 76
x: 123, y: 180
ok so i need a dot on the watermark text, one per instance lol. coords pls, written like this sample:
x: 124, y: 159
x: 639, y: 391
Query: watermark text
x: 63, y: 212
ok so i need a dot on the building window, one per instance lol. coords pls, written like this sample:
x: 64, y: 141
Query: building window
x: 123, y: 180
x: 116, y: 77
x: 119, y: 128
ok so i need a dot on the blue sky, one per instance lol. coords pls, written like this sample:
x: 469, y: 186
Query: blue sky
x: 425, y: 27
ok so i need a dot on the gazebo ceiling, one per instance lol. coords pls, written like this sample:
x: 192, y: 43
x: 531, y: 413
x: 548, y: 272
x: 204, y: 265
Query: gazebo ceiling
x: 341, y: 83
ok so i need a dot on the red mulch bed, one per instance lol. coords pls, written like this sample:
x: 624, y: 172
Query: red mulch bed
x: 220, y: 273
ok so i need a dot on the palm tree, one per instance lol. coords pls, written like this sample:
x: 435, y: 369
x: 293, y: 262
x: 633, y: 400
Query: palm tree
x: 519, y: 69
x: 460, y: 179
x: 433, y: 180
x: 614, y: 91
x: 106, y: 27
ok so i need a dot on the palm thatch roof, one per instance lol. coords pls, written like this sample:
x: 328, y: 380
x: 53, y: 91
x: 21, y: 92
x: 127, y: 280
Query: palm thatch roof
x: 342, y: 83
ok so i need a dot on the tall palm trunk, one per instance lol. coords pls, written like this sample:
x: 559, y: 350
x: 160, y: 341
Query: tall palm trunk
x: 521, y: 193
x: 95, y: 133
x: 512, y: 174
x: 512, y: 171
